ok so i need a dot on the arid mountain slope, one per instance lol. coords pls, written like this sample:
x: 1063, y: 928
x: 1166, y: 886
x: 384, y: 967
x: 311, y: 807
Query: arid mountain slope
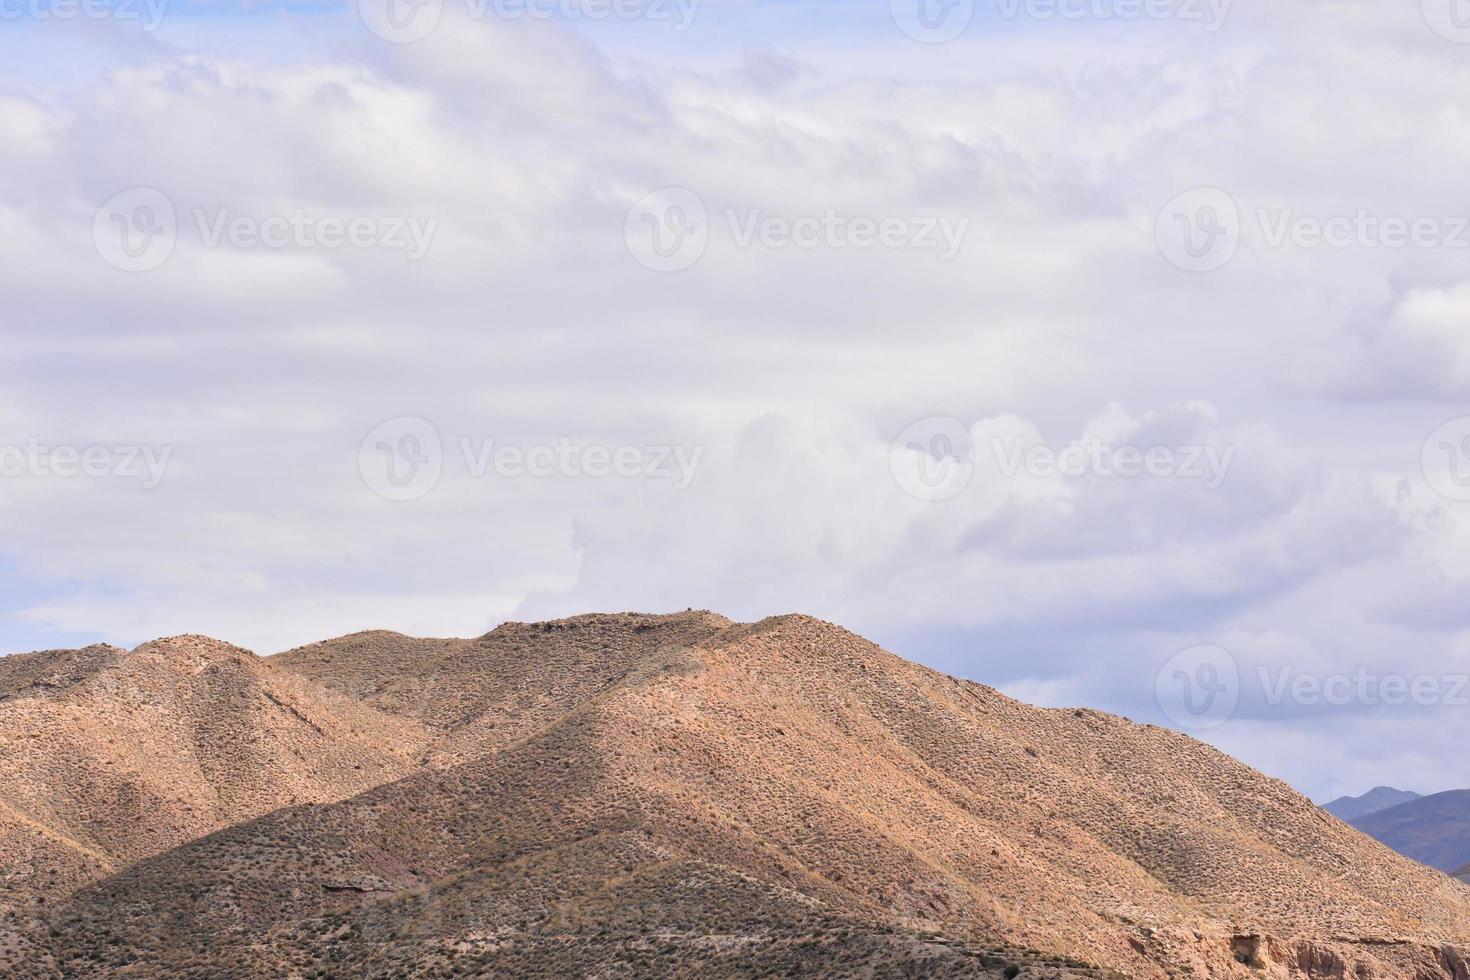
x: 614, y: 789
x: 111, y: 756
x: 477, y: 695
x: 636, y: 796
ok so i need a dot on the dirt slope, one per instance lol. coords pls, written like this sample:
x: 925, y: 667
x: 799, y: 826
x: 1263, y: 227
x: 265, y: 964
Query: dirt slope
x: 634, y: 796
x: 480, y: 694
x: 111, y: 756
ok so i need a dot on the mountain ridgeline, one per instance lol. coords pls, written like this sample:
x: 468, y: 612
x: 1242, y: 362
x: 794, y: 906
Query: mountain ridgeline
x: 1350, y: 808
x: 627, y: 795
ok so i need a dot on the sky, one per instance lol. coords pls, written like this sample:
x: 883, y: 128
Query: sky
x: 1109, y: 352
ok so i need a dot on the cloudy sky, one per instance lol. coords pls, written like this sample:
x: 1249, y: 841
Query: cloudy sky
x: 1111, y: 352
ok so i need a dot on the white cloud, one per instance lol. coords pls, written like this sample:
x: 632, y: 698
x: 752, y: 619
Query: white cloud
x: 528, y: 321
x: 1416, y: 348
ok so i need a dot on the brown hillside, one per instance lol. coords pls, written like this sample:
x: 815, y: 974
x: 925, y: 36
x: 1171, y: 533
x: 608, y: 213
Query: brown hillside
x: 477, y: 695
x: 112, y: 756
x: 632, y: 796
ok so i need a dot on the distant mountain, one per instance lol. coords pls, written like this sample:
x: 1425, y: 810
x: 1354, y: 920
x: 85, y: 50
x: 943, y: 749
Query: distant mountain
x: 654, y: 796
x: 1434, y: 830
x: 1350, y: 808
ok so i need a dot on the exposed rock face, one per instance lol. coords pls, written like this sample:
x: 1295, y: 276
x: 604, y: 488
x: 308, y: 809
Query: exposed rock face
x: 635, y: 795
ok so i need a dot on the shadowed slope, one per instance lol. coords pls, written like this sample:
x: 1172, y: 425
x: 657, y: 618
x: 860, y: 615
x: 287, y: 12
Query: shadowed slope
x: 479, y: 694
x: 111, y: 756
x: 704, y: 786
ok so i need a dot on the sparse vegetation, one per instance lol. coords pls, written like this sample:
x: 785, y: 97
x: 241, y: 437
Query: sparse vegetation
x: 631, y: 796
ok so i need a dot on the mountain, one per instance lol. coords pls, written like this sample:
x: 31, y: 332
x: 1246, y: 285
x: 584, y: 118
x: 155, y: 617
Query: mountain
x: 113, y: 756
x: 1434, y: 830
x: 1350, y: 808
x: 630, y: 795
x: 478, y: 695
